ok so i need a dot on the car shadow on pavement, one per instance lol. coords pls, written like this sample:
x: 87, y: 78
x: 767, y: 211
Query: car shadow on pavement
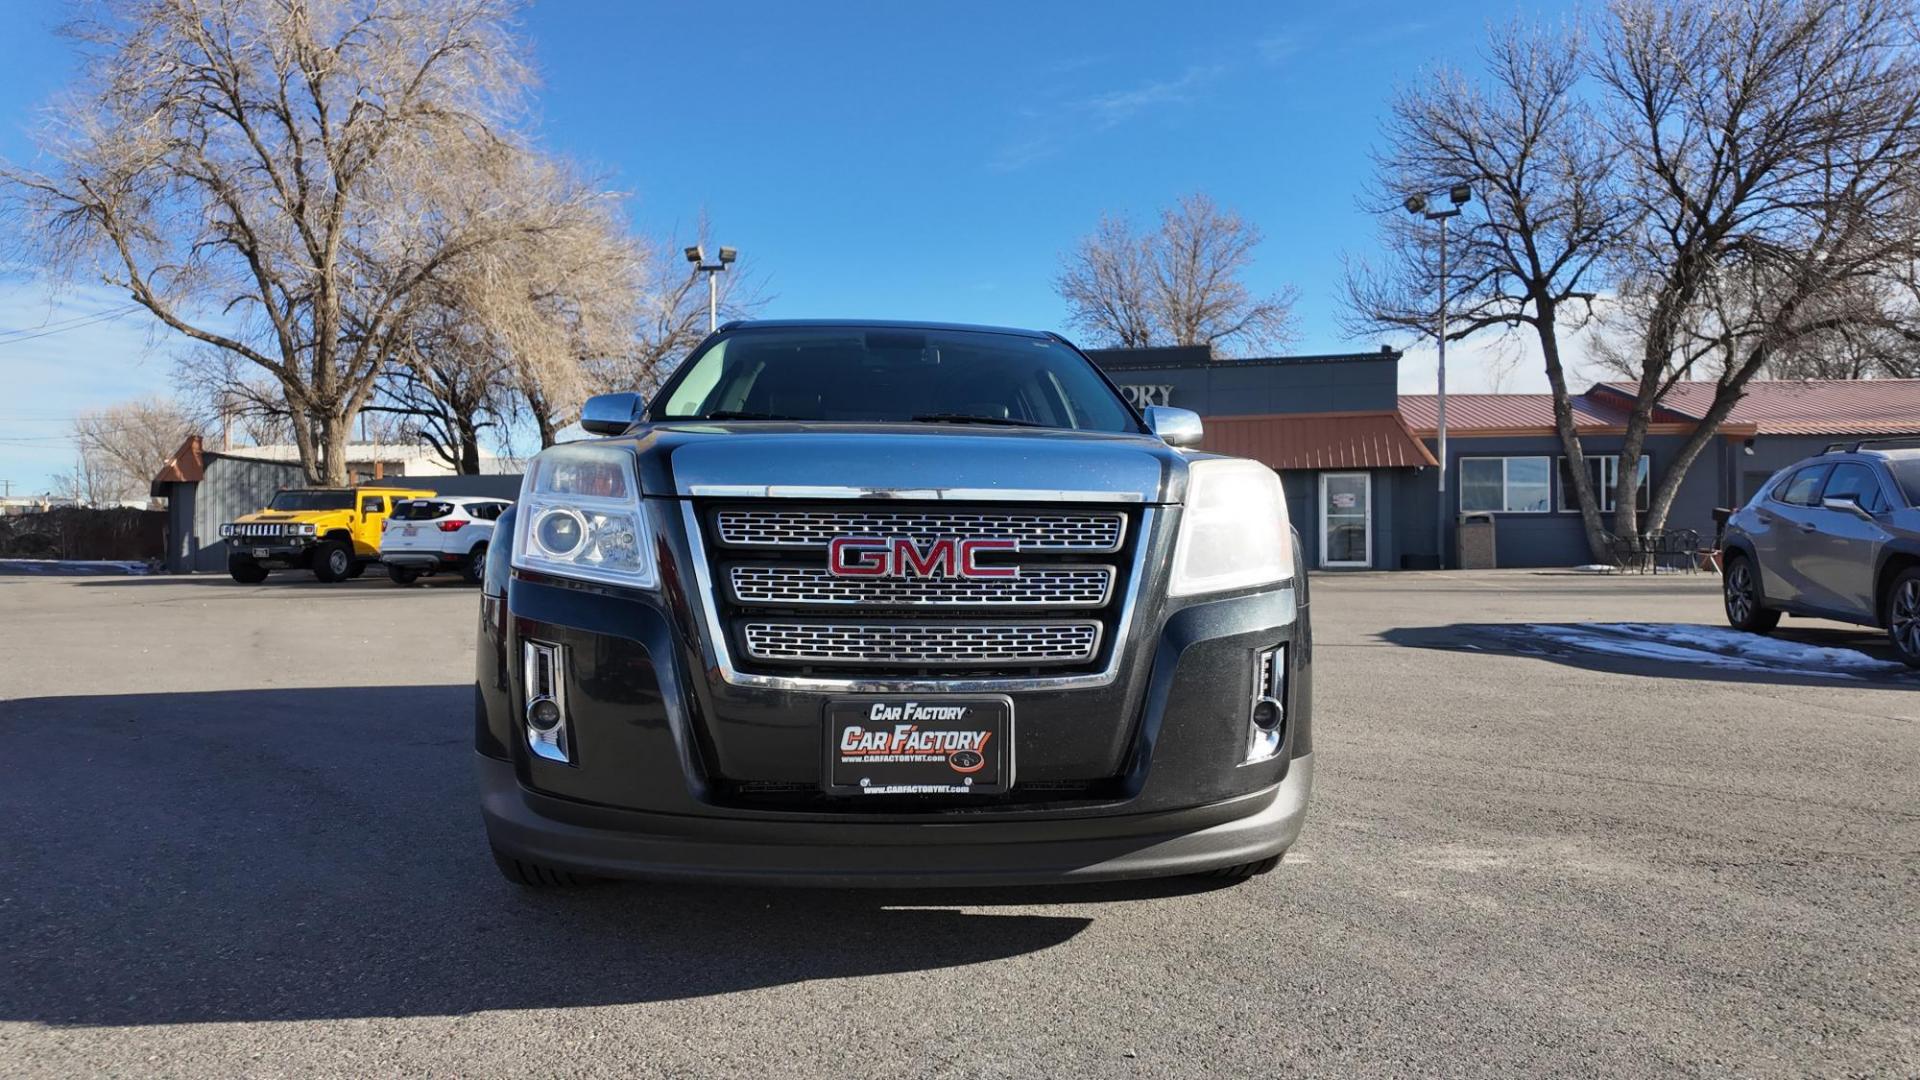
x: 315, y: 854
x: 1791, y: 656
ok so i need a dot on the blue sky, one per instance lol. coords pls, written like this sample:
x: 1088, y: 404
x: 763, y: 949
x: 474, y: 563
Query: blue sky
x: 887, y: 160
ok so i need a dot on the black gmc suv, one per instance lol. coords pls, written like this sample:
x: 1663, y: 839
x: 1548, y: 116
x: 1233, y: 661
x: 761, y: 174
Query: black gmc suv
x: 882, y: 603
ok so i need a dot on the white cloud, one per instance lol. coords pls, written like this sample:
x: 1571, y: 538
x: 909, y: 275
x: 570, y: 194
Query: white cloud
x: 1496, y: 363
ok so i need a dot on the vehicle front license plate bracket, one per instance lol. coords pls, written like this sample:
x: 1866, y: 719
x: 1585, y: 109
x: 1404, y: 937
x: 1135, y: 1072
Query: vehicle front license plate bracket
x: 918, y: 744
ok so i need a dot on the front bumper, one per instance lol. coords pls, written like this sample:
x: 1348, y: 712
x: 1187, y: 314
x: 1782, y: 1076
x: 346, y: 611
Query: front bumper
x: 420, y: 560
x: 277, y: 551
x: 631, y: 844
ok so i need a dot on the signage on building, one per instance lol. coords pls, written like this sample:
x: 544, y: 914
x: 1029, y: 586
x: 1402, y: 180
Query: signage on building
x: 1142, y: 395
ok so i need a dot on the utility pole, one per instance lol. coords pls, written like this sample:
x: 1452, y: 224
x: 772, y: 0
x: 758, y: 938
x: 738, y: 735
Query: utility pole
x: 1416, y: 203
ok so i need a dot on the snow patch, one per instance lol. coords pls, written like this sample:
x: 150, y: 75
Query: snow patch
x: 1722, y: 648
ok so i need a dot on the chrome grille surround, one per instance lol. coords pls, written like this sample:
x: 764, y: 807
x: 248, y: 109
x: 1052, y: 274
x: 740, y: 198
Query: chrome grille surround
x: 923, y: 644
x: 1037, y: 585
x: 722, y: 651
x: 1033, y: 530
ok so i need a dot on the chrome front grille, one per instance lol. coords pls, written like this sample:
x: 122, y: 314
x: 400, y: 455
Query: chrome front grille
x: 779, y: 608
x: 1034, y: 531
x: 1037, y: 585
x: 924, y: 644
x: 259, y: 530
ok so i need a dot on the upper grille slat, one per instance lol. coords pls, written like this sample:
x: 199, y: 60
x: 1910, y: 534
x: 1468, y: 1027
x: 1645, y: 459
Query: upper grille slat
x: 1037, y: 585
x: 1034, y: 531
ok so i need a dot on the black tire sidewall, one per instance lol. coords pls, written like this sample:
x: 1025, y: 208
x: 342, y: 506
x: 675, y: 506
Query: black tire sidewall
x: 1761, y: 618
x: 402, y: 575
x: 245, y: 570
x: 474, y: 569
x: 324, y: 557
x: 1886, y: 613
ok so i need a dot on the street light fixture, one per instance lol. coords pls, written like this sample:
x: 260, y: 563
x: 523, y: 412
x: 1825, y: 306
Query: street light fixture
x: 697, y: 255
x: 1417, y: 203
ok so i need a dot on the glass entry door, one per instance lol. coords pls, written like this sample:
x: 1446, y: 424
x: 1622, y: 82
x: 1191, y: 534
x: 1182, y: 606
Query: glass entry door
x: 1346, y: 519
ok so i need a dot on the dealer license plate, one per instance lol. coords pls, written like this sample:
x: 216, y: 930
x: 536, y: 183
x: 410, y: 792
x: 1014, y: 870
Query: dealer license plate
x: 409, y: 531
x: 261, y: 553
x: 903, y: 744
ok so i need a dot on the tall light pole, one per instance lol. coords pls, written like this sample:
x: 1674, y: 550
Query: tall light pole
x: 1416, y: 203
x: 697, y: 255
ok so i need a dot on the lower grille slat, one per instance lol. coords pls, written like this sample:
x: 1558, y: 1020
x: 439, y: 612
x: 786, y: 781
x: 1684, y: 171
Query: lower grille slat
x: 923, y: 644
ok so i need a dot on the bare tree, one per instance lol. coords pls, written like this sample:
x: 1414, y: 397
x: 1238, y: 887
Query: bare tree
x: 1538, y: 233
x: 122, y: 446
x: 1773, y: 152
x: 274, y: 178
x: 1181, y: 284
x: 448, y: 386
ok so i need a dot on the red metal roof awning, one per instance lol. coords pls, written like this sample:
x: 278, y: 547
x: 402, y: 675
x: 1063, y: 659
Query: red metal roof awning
x: 1342, y: 440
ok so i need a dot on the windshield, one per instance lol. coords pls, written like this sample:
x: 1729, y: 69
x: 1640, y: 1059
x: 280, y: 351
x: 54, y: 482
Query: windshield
x: 1906, y: 473
x: 312, y: 500
x: 866, y: 375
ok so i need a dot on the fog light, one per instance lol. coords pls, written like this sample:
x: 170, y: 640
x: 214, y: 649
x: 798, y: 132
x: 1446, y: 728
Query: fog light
x: 546, y: 697
x: 544, y: 715
x: 1267, y: 716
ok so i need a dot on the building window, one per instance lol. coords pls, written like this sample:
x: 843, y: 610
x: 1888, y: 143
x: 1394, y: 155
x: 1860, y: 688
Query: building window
x: 1507, y: 485
x: 1604, y: 471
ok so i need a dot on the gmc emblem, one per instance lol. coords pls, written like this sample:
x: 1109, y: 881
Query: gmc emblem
x: 899, y: 556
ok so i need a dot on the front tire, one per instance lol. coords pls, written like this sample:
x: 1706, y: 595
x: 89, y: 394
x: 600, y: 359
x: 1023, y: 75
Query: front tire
x: 1740, y: 591
x: 1903, y: 615
x: 245, y: 571
x: 332, y: 561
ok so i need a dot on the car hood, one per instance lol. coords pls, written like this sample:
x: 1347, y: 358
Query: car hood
x: 907, y: 461
x: 259, y: 517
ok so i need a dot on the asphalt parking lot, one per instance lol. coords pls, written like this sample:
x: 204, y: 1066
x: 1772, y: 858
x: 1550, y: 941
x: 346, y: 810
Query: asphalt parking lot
x: 238, y: 837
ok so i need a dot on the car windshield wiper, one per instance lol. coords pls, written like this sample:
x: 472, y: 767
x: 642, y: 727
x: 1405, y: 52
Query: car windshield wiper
x: 968, y: 418
x: 735, y: 414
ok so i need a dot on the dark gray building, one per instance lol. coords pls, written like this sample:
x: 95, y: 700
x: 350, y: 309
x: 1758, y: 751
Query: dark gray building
x: 1358, y: 459
x: 205, y: 489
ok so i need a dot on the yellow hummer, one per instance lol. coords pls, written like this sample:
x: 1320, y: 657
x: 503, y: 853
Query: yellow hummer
x: 335, y: 532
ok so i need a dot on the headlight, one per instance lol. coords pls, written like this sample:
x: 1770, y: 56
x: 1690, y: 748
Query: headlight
x: 581, y: 517
x: 1234, y: 532
x: 299, y: 530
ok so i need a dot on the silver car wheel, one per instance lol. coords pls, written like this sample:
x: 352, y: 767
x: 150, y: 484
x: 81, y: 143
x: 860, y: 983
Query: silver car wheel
x: 1903, y: 620
x: 337, y: 562
x: 1739, y: 593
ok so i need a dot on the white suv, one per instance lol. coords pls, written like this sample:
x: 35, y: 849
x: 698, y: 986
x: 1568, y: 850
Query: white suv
x: 423, y: 536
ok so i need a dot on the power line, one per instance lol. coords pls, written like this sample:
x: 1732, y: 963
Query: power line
x: 58, y: 323
x: 105, y: 316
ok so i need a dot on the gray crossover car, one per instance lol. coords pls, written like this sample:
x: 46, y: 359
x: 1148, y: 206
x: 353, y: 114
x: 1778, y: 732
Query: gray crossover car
x: 1836, y: 536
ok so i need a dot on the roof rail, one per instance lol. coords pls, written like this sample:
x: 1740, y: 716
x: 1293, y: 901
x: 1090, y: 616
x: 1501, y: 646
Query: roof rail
x: 1901, y: 442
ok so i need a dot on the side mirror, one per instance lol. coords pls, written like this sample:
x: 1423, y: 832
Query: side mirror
x: 1849, y: 505
x: 1177, y: 427
x: 611, y: 414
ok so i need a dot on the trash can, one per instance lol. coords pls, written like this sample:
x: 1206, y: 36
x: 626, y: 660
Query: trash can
x: 1473, y: 538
